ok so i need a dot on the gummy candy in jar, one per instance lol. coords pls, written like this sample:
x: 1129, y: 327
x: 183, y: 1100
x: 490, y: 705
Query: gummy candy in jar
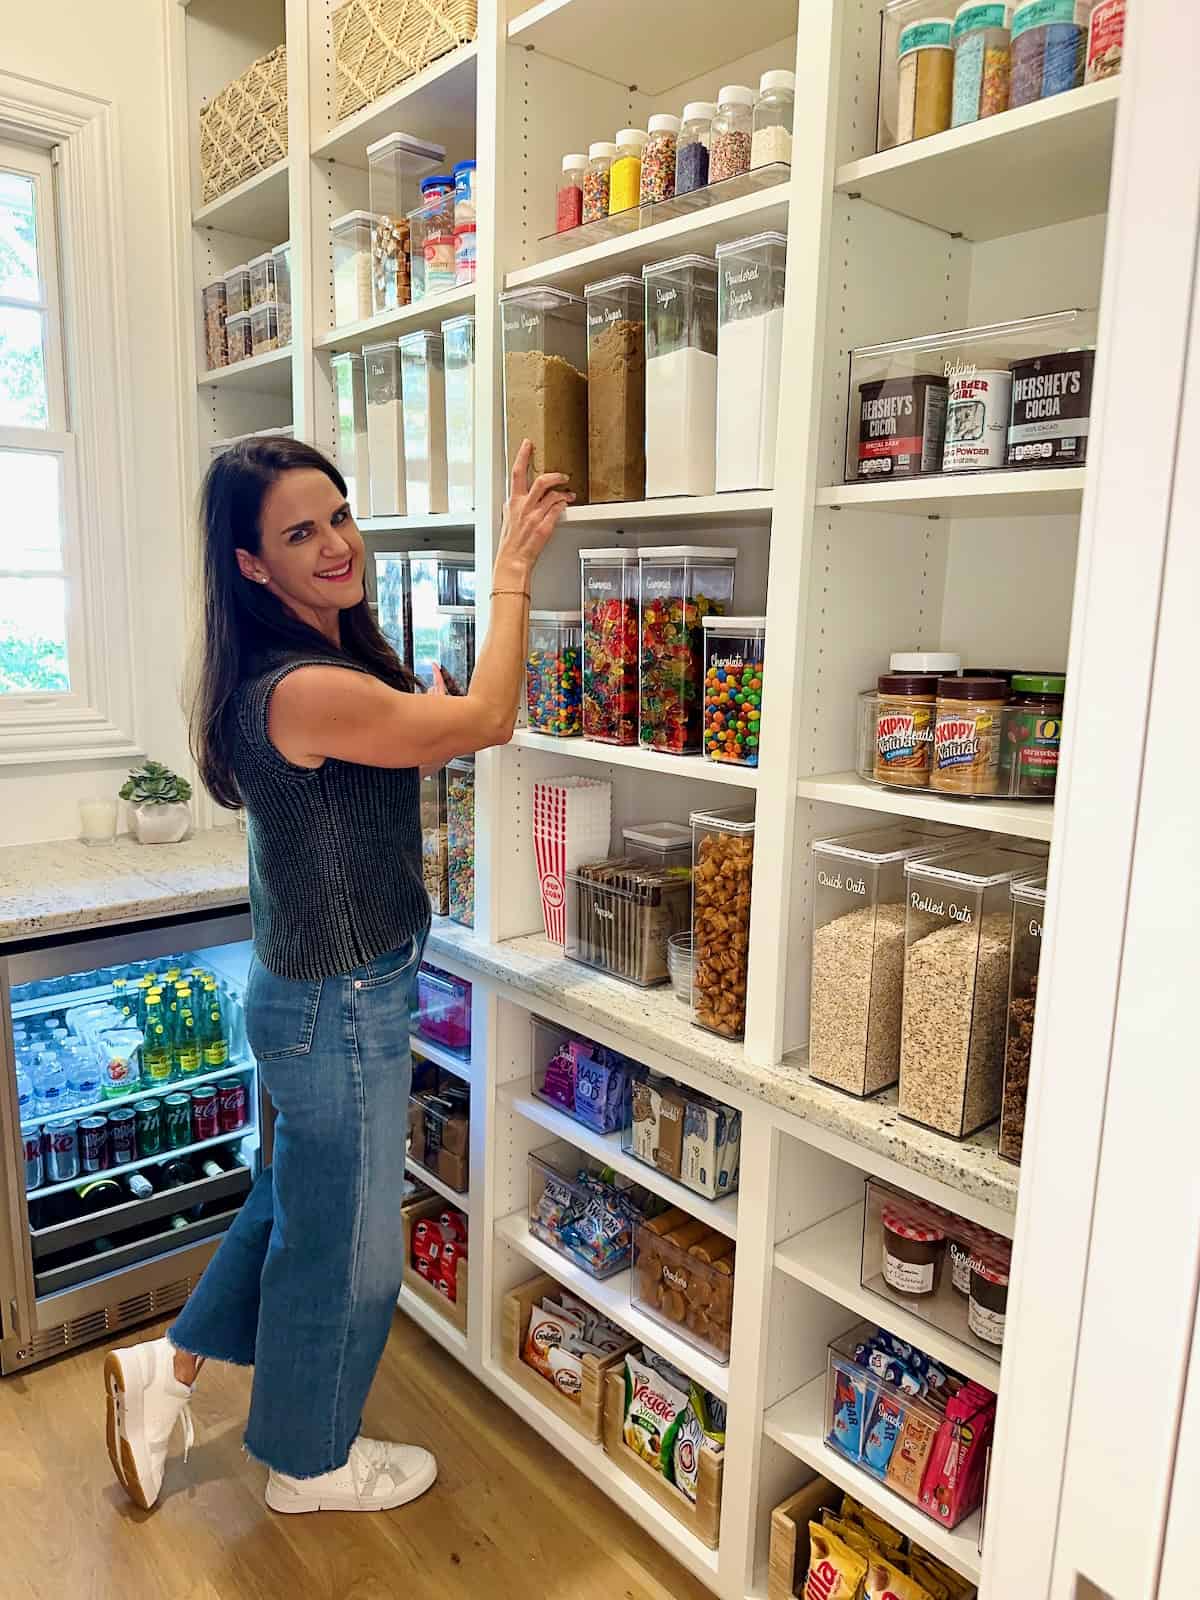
x: 610, y: 645
x: 680, y: 586
x: 733, y: 680
x: 553, y: 677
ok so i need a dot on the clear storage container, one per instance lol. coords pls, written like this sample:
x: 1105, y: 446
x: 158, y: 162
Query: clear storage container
x: 982, y: 59
x: 620, y: 915
x: 545, y: 382
x: 722, y: 877
x: 456, y: 645
x: 212, y: 311
x: 1049, y: 49
x: 434, y: 840
x: 681, y: 376
x: 658, y: 159
x: 692, y: 152
x: 568, y: 198
x: 437, y: 241
x: 262, y: 279
x: 680, y: 585
x: 750, y: 277
x: 610, y: 645
x: 417, y: 222
x: 443, y: 1010
x: 282, y: 254
x: 916, y: 70
x: 393, y: 596
x: 264, y: 328
x: 625, y: 175
x: 579, y: 1209
x: 660, y: 844
x: 423, y: 375
x: 682, y: 1133
x: 351, y: 400
x: 586, y: 1081
x: 351, y: 241
x: 553, y: 677
x: 771, y: 140
x: 1028, y: 919
x: 239, y: 337
x: 732, y: 133
x: 596, y: 180
x: 438, y: 577
x: 393, y: 165
x: 686, y: 1286
x: 458, y: 347
x: 465, y: 253
x: 957, y: 942
x: 237, y: 290
x: 734, y: 651
x: 439, y: 1133
x: 858, y: 900
x: 460, y: 813
x: 385, y: 429
x: 616, y: 396
x: 465, y: 182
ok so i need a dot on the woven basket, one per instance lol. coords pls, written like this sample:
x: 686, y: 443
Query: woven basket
x: 379, y: 43
x: 243, y: 129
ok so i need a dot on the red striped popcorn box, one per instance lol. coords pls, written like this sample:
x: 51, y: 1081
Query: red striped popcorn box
x: 572, y: 824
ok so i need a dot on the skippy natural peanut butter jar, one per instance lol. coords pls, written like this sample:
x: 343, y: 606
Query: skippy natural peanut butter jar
x: 967, y: 735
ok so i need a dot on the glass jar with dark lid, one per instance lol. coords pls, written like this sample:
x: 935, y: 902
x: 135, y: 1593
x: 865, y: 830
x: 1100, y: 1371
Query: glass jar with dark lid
x: 1029, y: 758
x: 904, y: 713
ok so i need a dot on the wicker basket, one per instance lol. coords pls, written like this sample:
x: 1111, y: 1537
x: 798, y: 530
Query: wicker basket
x: 243, y: 130
x: 379, y: 43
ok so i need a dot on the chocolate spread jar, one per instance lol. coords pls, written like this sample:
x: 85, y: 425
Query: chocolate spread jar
x: 904, y: 713
x: 1051, y: 410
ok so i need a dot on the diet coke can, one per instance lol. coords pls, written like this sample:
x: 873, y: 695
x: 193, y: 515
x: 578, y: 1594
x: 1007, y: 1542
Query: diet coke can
x: 231, y: 1105
x: 60, y: 1150
x: 31, y: 1138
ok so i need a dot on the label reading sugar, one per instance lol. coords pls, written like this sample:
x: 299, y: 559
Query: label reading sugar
x: 907, y: 1277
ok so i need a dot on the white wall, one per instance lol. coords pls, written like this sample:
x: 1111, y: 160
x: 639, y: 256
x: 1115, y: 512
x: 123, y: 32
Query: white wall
x: 85, y: 47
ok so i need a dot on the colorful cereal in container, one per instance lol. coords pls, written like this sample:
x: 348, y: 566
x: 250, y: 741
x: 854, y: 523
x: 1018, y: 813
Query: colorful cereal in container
x: 553, y: 693
x: 658, y: 159
x: 733, y: 680
x: 610, y: 645
x: 680, y: 586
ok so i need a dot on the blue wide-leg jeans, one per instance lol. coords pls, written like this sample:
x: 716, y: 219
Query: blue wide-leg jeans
x: 304, y: 1284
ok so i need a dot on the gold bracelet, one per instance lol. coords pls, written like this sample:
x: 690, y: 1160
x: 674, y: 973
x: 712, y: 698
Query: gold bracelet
x: 523, y: 593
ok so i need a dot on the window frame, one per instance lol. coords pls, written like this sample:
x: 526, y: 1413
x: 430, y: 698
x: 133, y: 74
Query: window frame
x: 79, y: 213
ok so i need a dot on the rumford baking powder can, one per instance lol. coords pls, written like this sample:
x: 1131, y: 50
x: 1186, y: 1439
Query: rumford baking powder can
x: 977, y: 419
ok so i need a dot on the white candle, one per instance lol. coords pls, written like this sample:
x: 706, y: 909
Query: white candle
x: 98, y: 821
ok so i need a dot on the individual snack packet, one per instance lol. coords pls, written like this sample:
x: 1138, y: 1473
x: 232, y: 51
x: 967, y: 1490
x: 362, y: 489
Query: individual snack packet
x: 848, y: 1397
x: 926, y: 1575
x: 653, y: 1409
x: 878, y: 1531
x: 956, y: 1586
x: 835, y: 1572
x: 906, y: 1469
x: 846, y: 1532
x: 547, y: 1331
x: 885, y: 1581
x: 882, y: 1432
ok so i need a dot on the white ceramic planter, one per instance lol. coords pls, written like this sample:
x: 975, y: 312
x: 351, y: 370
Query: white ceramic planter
x: 161, y: 824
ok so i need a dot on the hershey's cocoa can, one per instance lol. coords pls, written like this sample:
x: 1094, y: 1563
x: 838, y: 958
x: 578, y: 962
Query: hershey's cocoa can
x: 977, y: 418
x: 901, y: 426
x: 1051, y: 409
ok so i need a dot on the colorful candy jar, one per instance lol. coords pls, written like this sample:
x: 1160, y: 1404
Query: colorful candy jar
x: 553, y: 677
x: 733, y: 682
x: 680, y: 586
x: 609, y: 580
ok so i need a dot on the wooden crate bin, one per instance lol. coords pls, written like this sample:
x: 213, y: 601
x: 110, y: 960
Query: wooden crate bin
x: 789, y: 1535
x: 378, y: 44
x: 702, y: 1519
x: 454, y: 1312
x: 587, y: 1417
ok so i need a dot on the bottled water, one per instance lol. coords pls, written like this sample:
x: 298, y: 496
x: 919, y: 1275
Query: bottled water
x: 26, y: 1106
x: 50, y: 1084
x: 83, y: 1076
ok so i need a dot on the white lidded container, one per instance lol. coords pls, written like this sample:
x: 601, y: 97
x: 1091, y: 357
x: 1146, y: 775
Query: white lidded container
x: 750, y: 279
x: 237, y: 289
x: 771, y: 140
x: 393, y: 165
x: 385, y: 429
x: 350, y: 239
x: 681, y: 376
x: 262, y: 279
x: 351, y: 403
x: 437, y: 578
x: 458, y: 348
x: 282, y: 254
x: 423, y: 383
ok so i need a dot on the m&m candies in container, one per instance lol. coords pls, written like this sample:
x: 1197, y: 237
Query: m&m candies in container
x: 680, y: 586
x: 733, y: 682
x: 553, y: 673
x: 609, y: 580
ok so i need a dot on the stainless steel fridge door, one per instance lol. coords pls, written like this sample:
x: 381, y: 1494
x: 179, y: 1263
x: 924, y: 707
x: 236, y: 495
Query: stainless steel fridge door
x: 16, y: 1263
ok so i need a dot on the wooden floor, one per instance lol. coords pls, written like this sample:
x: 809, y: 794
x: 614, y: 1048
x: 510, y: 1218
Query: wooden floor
x: 507, y: 1520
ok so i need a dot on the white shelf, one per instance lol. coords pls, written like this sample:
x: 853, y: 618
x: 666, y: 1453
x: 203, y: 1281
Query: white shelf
x: 1023, y: 819
x: 440, y: 1056
x: 457, y: 1197
x: 592, y: 1461
x: 827, y: 1257
x: 429, y: 312
x: 719, y: 1214
x: 431, y: 526
x: 615, y: 755
x: 439, y: 103
x: 1039, y: 164
x: 699, y: 231
x: 798, y: 1424
x: 144, y: 1091
x: 124, y: 1168
x: 256, y: 209
x: 427, y: 1318
x: 611, y: 1296
x: 270, y: 373
x: 746, y: 507
x: 1032, y: 492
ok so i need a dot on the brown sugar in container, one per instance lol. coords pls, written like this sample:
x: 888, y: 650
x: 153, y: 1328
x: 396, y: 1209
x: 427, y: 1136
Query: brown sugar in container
x: 904, y: 719
x: 901, y: 426
x: 1051, y: 410
x: 967, y: 735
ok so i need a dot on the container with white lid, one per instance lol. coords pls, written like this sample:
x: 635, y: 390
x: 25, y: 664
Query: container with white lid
x: 553, y: 681
x: 351, y: 242
x: 750, y: 285
x: 239, y: 339
x: 393, y: 600
x: 385, y: 429
x: 351, y: 405
x: 596, y: 180
x: 1028, y: 924
x: 732, y: 133
x: 609, y: 583
x: 680, y: 585
x: 237, y: 289
x: 722, y: 874
x: 662, y: 844
x: 658, y: 159
x: 394, y: 163
x: 771, y: 140
x: 264, y: 327
x: 943, y: 662
x: 456, y: 645
x: 458, y: 347
x: 282, y: 255
x: 734, y: 652
x: 691, y: 148
x: 438, y: 578
x: 681, y: 375
x: 262, y: 278
x: 423, y: 385
x: 544, y: 333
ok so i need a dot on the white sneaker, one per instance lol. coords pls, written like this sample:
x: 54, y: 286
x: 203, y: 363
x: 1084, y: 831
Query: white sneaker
x: 145, y: 1402
x: 377, y: 1477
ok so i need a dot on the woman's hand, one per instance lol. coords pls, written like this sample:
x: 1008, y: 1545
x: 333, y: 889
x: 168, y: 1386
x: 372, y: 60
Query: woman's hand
x: 530, y: 517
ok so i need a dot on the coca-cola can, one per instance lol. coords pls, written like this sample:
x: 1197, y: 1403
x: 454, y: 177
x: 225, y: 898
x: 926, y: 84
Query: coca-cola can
x: 31, y: 1138
x: 231, y: 1105
x: 204, y: 1113
x: 93, y: 1144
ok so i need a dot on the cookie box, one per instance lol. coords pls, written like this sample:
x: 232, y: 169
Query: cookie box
x: 683, y: 1278
x: 704, y: 1517
x: 584, y: 1414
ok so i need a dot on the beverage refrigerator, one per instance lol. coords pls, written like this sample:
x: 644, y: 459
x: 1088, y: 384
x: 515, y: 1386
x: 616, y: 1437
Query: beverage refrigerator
x: 131, y: 1125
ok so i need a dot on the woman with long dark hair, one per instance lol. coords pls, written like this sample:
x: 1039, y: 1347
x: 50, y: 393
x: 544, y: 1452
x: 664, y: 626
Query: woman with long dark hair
x: 304, y: 716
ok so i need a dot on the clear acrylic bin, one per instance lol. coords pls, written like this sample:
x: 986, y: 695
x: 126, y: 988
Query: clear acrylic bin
x: 619, y: 916
x: 458, y: 344
x: 393, y: 166
x: 393, y: 596
x: 553, y: 691
x: 434, y: 856
x: 456, y: 645
x: 436, y: 232
x: 974, y: 745
x: 685, y: 1135
x: 443, y: 1010
x: 586, y: 1081
x: 438, y: 578
x: 686, y: 1286
x: 264, y: 328
x: 351, y: 400
x: 616, y: 347
x: 660, y: 844
x: 350, y: 241
x: 957, y: 941
x: 680, y: 585
x: 212, y: 312
x: 1012, y: 394
x: 1028, y: 919
x: 422, y: 373
x: 460, y: 839
x: 750, y: 277
x: 681, y: 376
x: 722, y: 876
x: 282, y: 254
x: 734, y: 650
x: 610, y: 582
x: 545, y: 382
x: 439, y: 1134
x: 916, y: 71
x: 578, y: 1209
x: 858, y: 899
x: 385, y: 429
x: 262, y: 280
x: 237, y: 290
x: 239, y: 342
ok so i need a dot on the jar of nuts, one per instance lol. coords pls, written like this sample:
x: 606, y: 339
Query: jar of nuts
x: 723, y: 863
